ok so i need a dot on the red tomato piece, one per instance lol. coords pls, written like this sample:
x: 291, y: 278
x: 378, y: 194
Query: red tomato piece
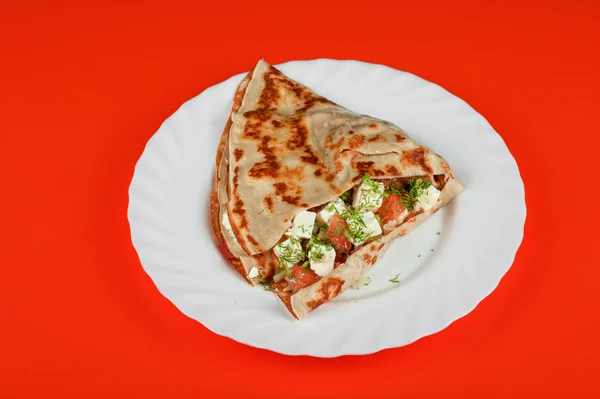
x: 302, y: 278
x: 337, y: 233
x: 391, y: 208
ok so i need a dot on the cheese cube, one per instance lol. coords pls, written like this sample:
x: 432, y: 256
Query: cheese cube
x: 321, y: 258
x: 335, y: 207
x: 368, y: 196
x: 363, y: 227
x: 428, y: 199
x: 289, y: 252
x: 303, y: 225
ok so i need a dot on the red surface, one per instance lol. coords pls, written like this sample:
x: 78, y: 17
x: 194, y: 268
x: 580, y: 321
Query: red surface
x: 83, y: 87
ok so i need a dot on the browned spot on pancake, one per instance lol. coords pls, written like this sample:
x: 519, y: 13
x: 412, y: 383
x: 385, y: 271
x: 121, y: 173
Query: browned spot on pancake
x: 310, y: 157
x: 294, y: 200
x: 310, y: 101
x: 215, y: 210
x: 269, y: 96
x: 269, y: 167
x: 236, y: 177
x: 280, y: 188
x: 238, y: 208
x: 251, y: 239
x: 356, y: 141
x: 298, y: 135
x: 393, y: 171
x: 374, y: 259
x: 416, y: 157
x: 269, y: 203
x: 378, y: 172
x: 286, y: 220
x: 276, y: 123
x: 367, y: 258
x: 266, y: 168
x: 357, y: 178
x: 330, y: 288
x: 329, y: 142
x: 378, y: 137
x: 238, y: 153
x: 252, y: 130
x: 333, y: 146
x: 258, y: 115
x: 373, y: 247
x: 373, y: 125
x: 350, y: 131
x: 364, y: 164
x: 329, y: 178
x: 318, y: 172
x: 293, y: 174
x: 256, y: 118
x: 381, y: 246
x: 294, y: 87
x: 399, y: 138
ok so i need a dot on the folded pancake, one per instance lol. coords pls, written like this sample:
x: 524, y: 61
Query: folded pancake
x: 284, y: 151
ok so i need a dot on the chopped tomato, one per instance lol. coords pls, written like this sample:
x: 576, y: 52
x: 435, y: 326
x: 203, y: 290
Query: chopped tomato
x: 302, y: 278
x: 337, y: 233
x: 391, y: 208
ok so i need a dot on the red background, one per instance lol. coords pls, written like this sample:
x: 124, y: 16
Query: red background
x: 84, y: 86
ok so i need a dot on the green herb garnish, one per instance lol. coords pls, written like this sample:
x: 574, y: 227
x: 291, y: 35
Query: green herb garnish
x: 368, y: 282
x: 346, y: 196
x: 267, y: 285
x: 291, y: 253
x: 357, y: 231
x: 410, y: 194
x: 438, y: 233
x: 321, y: 227
x: 372, y: 192
x: 395, y: 279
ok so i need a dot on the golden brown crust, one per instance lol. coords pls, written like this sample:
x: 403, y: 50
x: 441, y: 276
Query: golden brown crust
x: 214, y: 200
x: 330, y: 288
x: 284, y: 296
x: 214, y: 216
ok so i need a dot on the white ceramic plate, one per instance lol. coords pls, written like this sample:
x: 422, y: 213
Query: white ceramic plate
x: 442, y: 277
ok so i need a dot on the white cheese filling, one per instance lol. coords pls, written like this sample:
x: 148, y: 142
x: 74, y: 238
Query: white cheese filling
x: 363, y: 227
x: 368, y: 196
x: 289, y: 252
x: 253, y: 272
x: 428, y: 199
x: 335, y: 207
x: 225, y: 222
x: 321, y: 258
x: 303, y: 225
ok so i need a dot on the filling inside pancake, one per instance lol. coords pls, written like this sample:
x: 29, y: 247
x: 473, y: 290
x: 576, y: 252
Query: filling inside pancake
x: 321, y: 238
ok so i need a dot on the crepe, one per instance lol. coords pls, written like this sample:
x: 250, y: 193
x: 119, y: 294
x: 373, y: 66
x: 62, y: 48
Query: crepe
x: 286, y: 149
